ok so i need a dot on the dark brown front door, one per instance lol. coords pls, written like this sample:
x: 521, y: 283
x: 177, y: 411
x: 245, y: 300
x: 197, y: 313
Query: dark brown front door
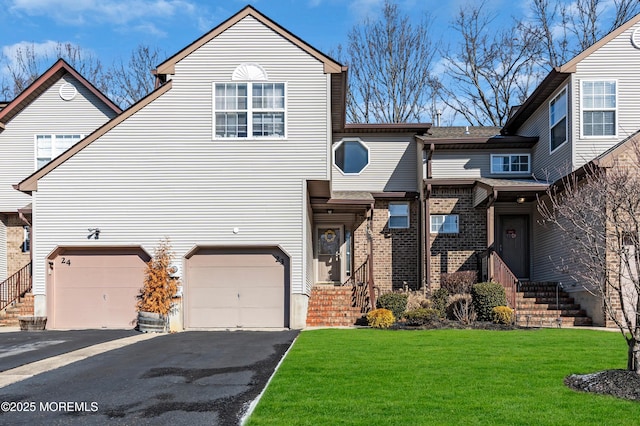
x: 513, y: 243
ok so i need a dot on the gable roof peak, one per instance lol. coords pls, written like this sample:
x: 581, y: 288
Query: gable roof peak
x: 168, y: 66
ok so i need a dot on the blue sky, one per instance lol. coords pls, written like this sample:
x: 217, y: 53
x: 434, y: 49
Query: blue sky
x: 111, y: 29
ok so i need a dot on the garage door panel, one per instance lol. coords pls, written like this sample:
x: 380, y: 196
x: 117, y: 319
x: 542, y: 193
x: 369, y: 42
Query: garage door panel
x: 235, y: 289
x: 96, y: 288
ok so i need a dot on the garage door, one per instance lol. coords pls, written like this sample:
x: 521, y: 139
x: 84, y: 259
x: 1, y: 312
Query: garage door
x: 246, y: 288
x: 95, y: 288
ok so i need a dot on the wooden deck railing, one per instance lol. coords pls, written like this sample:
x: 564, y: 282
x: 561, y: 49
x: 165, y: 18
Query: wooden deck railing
x: 15, y: 286
x: 494, y: 269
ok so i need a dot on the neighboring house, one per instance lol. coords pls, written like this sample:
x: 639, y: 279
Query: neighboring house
x: 53, y: 113
x: 481, y: 192
x: 243, y: 159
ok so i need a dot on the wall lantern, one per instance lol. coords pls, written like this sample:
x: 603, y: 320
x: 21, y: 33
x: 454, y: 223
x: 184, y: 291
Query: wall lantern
x: 520, y: 200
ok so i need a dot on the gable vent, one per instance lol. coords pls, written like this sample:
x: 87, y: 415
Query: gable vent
x: 68, y: 91
x: 249, y: 72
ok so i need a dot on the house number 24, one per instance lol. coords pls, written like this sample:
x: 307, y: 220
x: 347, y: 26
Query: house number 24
x: 66, y: 261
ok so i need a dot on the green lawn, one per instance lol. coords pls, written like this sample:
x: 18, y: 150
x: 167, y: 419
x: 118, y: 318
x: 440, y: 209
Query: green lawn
x: 457, y: 377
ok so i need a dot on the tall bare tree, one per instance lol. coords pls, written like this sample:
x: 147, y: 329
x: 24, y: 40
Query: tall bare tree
x: 131, y: 81
x: 390, y: 61
x: 598, y: 215
x: 566, y: 29
x: 28, y: 64
x: 489, y: 70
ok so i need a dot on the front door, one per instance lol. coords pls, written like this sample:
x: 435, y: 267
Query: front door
x: 513, y: 243
x: 329, y: 243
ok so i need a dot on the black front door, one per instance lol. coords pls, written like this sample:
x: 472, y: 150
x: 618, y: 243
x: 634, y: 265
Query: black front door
x: 513, y: 243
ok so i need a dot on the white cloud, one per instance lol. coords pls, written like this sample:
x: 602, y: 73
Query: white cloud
x: 365, y: 8
x: 85, y: 12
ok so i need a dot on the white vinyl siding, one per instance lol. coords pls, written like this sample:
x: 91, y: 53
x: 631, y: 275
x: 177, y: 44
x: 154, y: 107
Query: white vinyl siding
x: 47, y: 114
x: 160, y: 174
x: 392, y: 165
x: 470, y: 163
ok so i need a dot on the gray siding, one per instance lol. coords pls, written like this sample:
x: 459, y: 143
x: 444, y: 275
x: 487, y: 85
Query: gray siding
x: 159, y: 173
x: 48, y: 114
x: 547, y: 165
x: 616, y: 60
x: 392, y: 165
x: 470, y: 164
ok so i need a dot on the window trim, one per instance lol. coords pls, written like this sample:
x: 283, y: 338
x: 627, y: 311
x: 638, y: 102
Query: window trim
x: 337, y: 145
x: 407, y: 216
x: 562, y: 92
x: 432, y: 216
x: 510, y: 172
x: 53, y: 138
x: 583, y: 109
x: 250, y: 110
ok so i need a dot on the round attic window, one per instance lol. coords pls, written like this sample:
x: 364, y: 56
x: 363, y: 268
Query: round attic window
x: 68, y: 91
x: 635, y: 38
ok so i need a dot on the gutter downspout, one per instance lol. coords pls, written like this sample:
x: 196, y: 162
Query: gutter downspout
x: 371, y: 282
x: 24, y: 219
x: 491, y: 231
x: 427, y: 236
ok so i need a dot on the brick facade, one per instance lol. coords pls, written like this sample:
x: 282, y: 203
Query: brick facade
x: 395, y: 250
x: 456, y: 252
x: 16, y: 258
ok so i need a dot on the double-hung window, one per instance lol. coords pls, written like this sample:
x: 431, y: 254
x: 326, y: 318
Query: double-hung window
x: 249, y: 109
x: 49, y: 147
x: 599, y: 107
x: 558, y: 120
x: 398, y: 215
x: 510, y: 163
x: 444, y: 224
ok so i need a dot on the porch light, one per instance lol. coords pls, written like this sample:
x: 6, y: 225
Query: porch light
x: 520, y: 200
x: 329, y: 211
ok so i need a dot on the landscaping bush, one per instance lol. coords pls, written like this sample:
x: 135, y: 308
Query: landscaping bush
x: 380, y: 318
x: 460, y: 308
x: 395, y: 302
x: 421, y: 316
x: 503, y: 315
x: 416, y: 299
x: 459, y: 282
x: 439, y: 299
x: 487, y: 296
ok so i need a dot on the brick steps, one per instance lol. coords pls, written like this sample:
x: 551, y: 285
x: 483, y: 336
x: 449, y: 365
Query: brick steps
x: 543, y: 305
x: 9, y: 316
x: 331, y: 306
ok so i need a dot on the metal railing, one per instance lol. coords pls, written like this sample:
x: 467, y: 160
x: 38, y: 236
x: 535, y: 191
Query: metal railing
x: 14, y: 287
x: 494, y: 269
x: 361, y: 287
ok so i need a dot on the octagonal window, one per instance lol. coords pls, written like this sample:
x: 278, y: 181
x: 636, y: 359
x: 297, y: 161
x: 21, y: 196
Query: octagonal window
x: 351, y: 156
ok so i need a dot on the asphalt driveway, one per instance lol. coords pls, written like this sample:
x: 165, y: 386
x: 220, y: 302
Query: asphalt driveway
x: 188, y: 378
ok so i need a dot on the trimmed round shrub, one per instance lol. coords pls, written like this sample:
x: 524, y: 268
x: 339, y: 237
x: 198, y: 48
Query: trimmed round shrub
x: 421, y: 316
x: 380, y: 318
x: 502, y: 315
x: 395, y: 302
x: 439, y: 301
x: 487, y: 296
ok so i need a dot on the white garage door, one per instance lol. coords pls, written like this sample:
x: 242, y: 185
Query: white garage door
x: 240, y: 288
x: 95, y: 288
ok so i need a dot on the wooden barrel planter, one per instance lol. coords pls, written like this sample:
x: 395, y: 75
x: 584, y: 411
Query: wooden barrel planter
x: 150, y: 322
x: 32, y: 323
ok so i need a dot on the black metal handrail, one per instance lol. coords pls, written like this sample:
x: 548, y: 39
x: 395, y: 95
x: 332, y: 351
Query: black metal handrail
x: 15, y: 287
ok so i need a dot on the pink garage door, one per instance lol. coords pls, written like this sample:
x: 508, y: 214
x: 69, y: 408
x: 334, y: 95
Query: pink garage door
x: 95, y: 288
x: 236, y: 289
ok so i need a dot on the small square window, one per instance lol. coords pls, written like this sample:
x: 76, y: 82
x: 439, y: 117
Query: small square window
x: 444, y: 224
x: 398, y: 215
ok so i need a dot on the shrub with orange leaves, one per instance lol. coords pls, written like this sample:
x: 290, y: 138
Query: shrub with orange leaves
x: 159, y: 286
